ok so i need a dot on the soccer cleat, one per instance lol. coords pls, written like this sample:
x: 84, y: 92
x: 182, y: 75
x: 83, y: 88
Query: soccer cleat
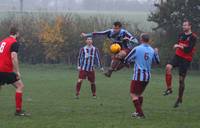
x: 107, y: 74
x: 167, y: 92
x: 94, y: 97
x: 22, y: 114
x: 77, y: 97
x: 177, y: 103
x: 137, y: 115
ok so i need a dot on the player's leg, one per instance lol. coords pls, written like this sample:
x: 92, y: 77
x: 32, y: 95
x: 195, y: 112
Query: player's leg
x: 168, y: 79
x: 168, y: 75
x: 116, y: 63
x: 82, y: 76
x: 182, y: 74
x: 91, y: 78
x: 136, y: 91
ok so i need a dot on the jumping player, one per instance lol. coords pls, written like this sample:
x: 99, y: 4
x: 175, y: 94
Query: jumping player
x: 9, y: 68
x: 88, y: 56
x: 182, y: 59
x: 143, y: 56
x: 123, y: 38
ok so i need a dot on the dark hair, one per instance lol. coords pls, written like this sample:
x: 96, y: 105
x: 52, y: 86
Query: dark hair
x: 13, y: 31
x: 145, y: 37
x: 117, y: 23
x: 189, y: 22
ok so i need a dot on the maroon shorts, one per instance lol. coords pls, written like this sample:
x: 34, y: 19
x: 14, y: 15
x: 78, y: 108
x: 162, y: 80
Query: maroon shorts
x: 90, y: 75
x: 138, y: 87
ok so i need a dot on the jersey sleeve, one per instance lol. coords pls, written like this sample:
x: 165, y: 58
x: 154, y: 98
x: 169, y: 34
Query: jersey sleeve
x: 131, y: 56
x: 14, y: 47
x: 97, y: 58
x: 192, y: 43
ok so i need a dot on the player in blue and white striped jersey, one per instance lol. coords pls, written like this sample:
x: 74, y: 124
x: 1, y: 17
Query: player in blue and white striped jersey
x: 88, y: 57
x: 143, y: 56
x: 120, y: 36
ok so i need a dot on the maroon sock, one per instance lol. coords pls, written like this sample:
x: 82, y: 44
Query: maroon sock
x: 78, y: 88
x: 168, y: 79
x: 93, y: 89
x: 18, y: 101
x: 141, y: 100
x: 138, y: 107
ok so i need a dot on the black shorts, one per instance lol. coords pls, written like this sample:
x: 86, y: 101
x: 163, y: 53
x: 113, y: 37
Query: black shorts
x: 8, y: 78
x: 181, y: 63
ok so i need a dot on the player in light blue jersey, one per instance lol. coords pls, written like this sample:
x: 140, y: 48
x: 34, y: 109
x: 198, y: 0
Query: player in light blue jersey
x: 143, y: 56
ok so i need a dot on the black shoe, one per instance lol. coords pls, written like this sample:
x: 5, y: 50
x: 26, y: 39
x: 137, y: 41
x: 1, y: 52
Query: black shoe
x: 22, y: 113
x: 167, y: 92
x: 137, y: 115
x: 177, y: 103
x: 108, y: 74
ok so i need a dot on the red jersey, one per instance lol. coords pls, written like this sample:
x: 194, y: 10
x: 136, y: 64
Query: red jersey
x: 6, y: 64
x: 188, y: 42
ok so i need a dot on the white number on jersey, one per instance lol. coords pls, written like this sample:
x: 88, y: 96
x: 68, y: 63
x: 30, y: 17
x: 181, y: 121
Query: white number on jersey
x: 2, y: 46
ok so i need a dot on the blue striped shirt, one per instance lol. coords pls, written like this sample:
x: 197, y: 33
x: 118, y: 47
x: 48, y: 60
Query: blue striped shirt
x: 143, y: 56
x: 88, y: 56
x: 118, y: 37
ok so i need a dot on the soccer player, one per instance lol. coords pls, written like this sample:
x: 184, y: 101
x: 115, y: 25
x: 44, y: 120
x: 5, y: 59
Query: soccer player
x: 182, y: 59
x: 88, y: 56
x: 9, y: 68
x: 143, y: 56
x: 123, y: 38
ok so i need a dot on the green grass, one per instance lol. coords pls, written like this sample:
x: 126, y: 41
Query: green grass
x: 49, y: 96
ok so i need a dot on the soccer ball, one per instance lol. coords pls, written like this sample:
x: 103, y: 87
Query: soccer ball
x: 115, y: 48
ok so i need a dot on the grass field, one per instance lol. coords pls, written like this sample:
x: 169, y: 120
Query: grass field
x: 49, y: 96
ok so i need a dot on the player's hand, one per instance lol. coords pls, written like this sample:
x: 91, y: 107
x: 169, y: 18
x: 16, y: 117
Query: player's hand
x: 83, y: 34
x: 18, y: 75
x: 178, y: 46
x: 79, y: 68
x: 126, y: 38
x: 156, y: 50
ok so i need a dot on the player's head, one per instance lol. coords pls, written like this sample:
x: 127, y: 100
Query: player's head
x: 14, y: 32
x: 187, y: 25
x: 144, y: 38
x: 117, y: 26
x: 89, y: 41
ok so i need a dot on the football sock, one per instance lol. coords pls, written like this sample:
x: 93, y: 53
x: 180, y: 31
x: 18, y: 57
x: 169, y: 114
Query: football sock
x: 138, y: 107
x: 168, y: 79
x: 141, y: 100
x: 18, y: 101
x: 78, y: 88
x: 93, y: 89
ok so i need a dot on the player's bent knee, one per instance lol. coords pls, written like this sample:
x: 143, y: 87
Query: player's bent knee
x: 168, y: 68
x: 19, y: 85
x: 134, y: 96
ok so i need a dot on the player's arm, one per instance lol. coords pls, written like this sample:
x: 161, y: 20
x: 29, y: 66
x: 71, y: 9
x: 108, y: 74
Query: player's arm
x: 14, y: 57
x: 80, y: 58
x: 131, y: 56
x: 191, y: 45
x: 132, y: 39
x: 100, y: 33
x: 156, y: 58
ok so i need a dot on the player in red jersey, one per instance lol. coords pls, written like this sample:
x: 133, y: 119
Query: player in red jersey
x: 185, y: 49
x: 9, y: 67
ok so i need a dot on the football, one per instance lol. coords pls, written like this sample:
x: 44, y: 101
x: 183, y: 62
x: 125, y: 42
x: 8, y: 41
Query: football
x: 115, y: 48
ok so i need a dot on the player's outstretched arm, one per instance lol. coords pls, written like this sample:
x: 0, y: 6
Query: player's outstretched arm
x: 100, y: 33
x: 130, y: 57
